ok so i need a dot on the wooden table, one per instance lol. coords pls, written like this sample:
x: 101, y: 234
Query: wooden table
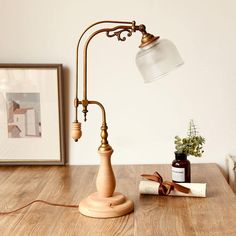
x: 153, y: 215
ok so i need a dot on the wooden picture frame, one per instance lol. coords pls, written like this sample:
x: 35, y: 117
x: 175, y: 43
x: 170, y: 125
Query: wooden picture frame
x: 31, y: 115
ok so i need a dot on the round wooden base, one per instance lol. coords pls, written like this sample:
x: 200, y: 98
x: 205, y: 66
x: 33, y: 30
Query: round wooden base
x: 100, y: 207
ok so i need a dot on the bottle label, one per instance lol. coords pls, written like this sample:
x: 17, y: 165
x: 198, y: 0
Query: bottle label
x: 178, y: 174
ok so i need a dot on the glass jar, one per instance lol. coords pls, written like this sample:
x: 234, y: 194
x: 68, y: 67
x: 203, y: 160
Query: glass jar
x: 181, y: 169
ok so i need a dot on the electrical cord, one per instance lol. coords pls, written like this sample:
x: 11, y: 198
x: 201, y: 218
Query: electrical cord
x: 38, y: 201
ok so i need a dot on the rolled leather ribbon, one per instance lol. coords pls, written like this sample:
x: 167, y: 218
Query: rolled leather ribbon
x: 155, y: 185
x: 165, y: 187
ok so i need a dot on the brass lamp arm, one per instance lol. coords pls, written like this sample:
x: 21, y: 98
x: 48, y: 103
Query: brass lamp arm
x: 77, y: 57
x: 107, y: 30
x: 128, y: 26
x: 110, y: 32
x: 96, y: 103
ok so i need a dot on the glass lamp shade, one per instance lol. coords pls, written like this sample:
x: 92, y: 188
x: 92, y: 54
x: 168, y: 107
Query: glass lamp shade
x: 158, y: 59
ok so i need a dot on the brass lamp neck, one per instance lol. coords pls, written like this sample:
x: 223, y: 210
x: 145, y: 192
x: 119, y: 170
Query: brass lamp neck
x: 147, y: 39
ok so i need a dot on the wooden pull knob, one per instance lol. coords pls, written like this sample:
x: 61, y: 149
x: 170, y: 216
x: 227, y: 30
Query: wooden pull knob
x: 76, y: 131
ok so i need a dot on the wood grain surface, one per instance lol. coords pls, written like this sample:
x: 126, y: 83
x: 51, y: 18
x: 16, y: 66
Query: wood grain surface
x: 153, y: 215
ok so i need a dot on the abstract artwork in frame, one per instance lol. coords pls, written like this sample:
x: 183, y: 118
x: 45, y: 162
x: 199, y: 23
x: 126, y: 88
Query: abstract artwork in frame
x: 31, y: 116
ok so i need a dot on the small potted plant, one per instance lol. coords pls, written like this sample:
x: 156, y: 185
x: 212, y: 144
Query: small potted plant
x: 192, y: 145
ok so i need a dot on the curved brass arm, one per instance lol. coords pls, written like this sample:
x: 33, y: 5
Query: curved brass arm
x: 77, y: 57
x: 104, y: 134
x: 122, y: 27
x: 116, y: 31
x: 130, y: 28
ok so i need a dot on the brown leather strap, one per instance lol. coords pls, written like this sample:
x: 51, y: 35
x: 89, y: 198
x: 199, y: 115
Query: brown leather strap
x: 165, y: 186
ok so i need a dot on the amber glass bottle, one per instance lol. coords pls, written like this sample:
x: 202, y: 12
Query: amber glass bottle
x: 181, y: 171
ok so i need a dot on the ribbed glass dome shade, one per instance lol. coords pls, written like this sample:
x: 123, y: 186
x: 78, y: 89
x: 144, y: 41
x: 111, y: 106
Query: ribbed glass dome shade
x: 157, y: 59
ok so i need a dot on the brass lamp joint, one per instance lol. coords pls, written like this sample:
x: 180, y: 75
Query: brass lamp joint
x: 146, y: 37
x: 134, y: 27
x: 85, y: 103
x: 142, y: 29
x: 85, y: 110
x: 76, y: 102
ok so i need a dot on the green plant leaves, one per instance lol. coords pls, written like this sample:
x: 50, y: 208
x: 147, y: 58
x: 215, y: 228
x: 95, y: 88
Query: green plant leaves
x: 192, y: 144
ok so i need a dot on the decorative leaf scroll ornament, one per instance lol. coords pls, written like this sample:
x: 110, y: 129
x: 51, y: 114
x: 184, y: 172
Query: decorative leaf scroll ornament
x: 118, y: 34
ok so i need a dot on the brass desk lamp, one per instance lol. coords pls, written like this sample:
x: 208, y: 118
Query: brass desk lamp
x: 155, y: 59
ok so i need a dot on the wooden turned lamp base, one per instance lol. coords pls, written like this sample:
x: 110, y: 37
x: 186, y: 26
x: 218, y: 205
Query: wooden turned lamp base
x: 100, y: 207
x: 105, y: 203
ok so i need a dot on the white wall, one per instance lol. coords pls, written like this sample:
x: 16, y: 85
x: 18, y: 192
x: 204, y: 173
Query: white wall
x: 143, y: 118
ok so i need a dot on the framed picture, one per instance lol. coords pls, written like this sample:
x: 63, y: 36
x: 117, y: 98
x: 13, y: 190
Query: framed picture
x: 31, y: 117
